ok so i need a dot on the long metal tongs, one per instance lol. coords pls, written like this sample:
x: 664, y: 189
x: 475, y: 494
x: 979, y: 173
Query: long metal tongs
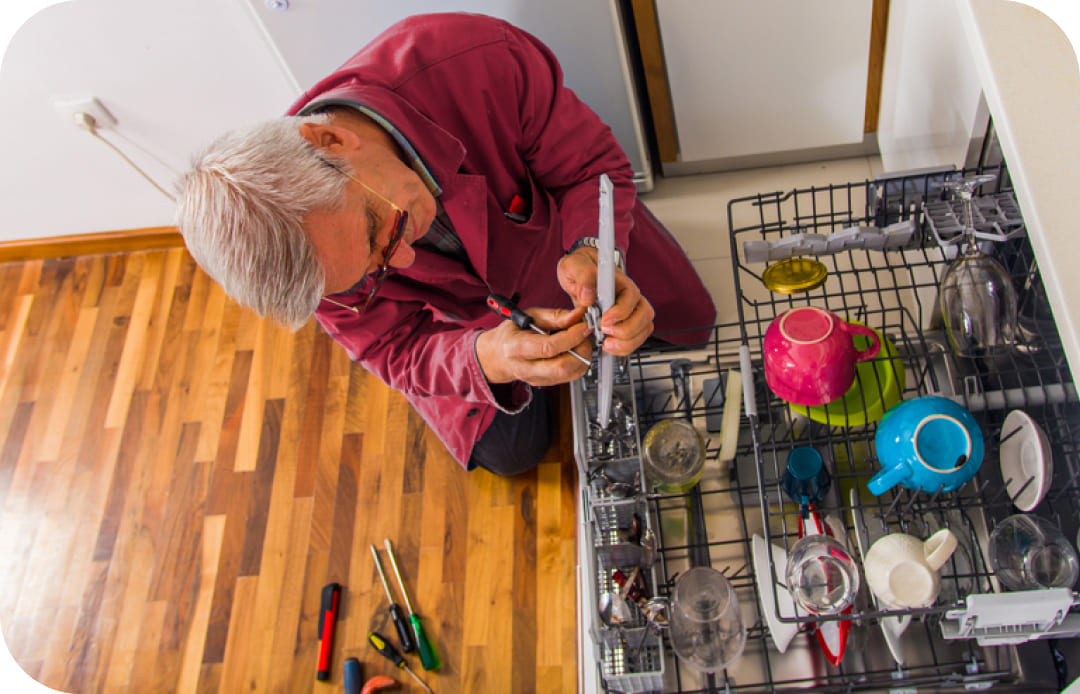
x: 605, y: 294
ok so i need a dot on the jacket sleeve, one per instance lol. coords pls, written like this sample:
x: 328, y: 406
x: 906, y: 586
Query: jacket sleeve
x: 402, y: 344
x: 566, y: 145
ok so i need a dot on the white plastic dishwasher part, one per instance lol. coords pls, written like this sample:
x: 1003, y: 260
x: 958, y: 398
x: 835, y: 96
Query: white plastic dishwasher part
x: 605, y: 295
x: 996, y: 619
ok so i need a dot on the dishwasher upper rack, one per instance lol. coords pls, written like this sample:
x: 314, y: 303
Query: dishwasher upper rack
x: 948, y: 665
x: 895, y: 291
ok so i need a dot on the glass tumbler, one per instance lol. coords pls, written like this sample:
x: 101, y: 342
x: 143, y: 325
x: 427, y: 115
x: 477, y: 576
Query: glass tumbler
x: 1028, y: 552
x: 706, y: 625
x: 674, y: 456
x: 821, y: 575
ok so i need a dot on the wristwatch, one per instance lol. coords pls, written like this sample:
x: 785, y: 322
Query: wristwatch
x: 593, y: 242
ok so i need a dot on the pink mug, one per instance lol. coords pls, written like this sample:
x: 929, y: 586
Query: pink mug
x: 810, y: 357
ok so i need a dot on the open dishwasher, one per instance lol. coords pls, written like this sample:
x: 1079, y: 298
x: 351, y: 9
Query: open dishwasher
x: 885, y: 244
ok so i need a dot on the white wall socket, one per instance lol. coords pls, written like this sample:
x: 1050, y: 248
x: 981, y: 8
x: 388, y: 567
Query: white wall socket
x: 68, y: 106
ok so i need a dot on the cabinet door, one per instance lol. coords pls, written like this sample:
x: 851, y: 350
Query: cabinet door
x: 312, y: 39
x: 931, y: 108
x: 750, y: 77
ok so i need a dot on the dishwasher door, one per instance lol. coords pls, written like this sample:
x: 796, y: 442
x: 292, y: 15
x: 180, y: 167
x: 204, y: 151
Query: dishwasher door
x: 889, y: 283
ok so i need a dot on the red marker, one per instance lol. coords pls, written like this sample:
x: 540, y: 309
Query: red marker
x: 331, y: 596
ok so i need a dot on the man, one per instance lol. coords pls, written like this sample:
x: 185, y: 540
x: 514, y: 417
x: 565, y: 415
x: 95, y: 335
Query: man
x: 444, y: 162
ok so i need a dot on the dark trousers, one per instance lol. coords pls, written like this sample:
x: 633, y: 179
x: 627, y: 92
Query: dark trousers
x: 516, y: 443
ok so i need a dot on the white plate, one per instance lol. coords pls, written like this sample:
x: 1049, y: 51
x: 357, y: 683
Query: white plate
x: 1025, y: 455
x: 892, y: 628
x: 782, y: 632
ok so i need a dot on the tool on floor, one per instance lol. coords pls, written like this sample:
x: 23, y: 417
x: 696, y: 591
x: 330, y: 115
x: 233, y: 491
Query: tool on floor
x: 352, y: 676
x: 331, y: 596
x: 378, y: 682
x: 428, y: 659
x: 403, y: 632
x: 390, y: 653
x: 509, y: 310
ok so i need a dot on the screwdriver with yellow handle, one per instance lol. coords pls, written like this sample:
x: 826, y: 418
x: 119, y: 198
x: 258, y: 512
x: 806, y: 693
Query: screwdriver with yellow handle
x: 404, y: 634
x: 428, y: 659
x: 390, y: 653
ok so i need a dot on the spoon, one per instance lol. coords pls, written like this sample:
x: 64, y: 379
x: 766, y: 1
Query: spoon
x: 655, y: 619
x: 649, y: 545
x: 616, y: 488
x: 614, y: 610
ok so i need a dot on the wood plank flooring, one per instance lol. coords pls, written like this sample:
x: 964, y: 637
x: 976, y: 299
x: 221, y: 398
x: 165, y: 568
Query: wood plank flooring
x: 179, y: 480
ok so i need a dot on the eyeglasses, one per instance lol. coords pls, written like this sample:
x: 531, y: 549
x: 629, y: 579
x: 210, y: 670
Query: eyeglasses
x: 395, y: 240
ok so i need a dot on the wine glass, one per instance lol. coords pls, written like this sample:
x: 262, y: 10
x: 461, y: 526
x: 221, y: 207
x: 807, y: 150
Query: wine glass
x: 705, y: 620
x: 977, y: 297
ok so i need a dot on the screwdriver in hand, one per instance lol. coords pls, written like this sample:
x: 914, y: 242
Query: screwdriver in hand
x: 383, y: 646
x: 508, y: 309
x: 403, y: 631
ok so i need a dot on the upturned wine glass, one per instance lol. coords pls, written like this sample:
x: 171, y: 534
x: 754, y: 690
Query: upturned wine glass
x: 977, y: 297
x: 705, y: 620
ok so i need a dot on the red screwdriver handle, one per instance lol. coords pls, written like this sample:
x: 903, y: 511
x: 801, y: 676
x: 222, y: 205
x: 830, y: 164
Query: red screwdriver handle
x: 508, y: 309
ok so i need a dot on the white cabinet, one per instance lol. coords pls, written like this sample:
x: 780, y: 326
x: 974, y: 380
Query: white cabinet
x: 930, y: 95
x: 312, y: 39
x: 764, y: 81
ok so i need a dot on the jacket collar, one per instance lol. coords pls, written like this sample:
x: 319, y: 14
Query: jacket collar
x: 464, y: 195
x: 440, y: 151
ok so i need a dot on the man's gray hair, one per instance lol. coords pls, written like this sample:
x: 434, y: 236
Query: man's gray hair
x: 241, y: 210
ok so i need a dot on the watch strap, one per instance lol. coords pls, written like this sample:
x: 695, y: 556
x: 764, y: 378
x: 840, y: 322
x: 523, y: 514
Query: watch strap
x: 594, y: 242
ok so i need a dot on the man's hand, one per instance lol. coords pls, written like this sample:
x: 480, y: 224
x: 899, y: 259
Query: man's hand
x: 629, y: 322
x: 508, y: 353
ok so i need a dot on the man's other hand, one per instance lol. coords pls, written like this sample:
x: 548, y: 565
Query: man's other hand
x: 629, y: 322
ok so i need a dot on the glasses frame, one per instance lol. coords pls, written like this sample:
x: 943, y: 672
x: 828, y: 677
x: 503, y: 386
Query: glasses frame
x: 398, y: 234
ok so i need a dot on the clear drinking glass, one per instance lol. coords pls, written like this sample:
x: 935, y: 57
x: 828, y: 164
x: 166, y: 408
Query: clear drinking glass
x: 674, y: 456
x: 1029, y: 552
x: 821, y: 575
x: 977, y: 297
x: 705, y: 620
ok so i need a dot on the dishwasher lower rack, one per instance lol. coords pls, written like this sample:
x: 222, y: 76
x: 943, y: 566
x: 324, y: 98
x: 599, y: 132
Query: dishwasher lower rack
x: 958, y: 643
x: 730, y: 496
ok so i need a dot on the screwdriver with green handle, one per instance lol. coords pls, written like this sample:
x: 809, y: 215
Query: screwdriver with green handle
x: 390, y: 653
x: 428, y: 659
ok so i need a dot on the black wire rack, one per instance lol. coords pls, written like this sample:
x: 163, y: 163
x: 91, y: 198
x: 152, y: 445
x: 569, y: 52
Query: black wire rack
x: 894, y: 291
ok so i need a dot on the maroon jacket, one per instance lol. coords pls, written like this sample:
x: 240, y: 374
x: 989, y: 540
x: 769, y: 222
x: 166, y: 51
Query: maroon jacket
x: 483, y: 104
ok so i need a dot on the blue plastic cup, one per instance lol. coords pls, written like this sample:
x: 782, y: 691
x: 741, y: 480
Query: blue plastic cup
x: 806, y: 481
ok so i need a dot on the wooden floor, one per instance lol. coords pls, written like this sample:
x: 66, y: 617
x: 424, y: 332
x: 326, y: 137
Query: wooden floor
x: 179, y: 480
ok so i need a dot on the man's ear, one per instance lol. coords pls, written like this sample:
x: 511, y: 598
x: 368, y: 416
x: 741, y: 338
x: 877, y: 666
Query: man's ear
x: 332, y: 139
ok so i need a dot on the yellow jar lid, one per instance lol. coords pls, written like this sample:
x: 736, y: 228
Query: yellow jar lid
x: 795, y: 275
